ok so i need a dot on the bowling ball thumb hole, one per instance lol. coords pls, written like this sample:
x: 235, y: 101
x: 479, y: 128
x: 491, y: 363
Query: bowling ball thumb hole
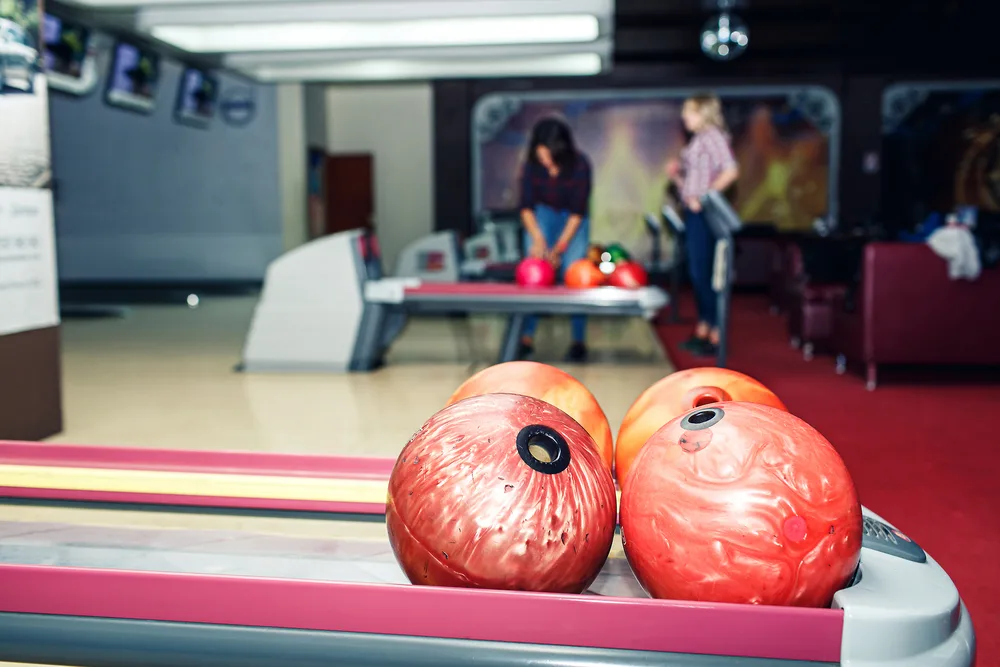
x: 699, y: 396
x: 702, y: 419
x: 543, y: 449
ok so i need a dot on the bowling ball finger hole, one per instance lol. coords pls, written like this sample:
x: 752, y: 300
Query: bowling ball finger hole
x: 543, y: 449
x: 702, y: 419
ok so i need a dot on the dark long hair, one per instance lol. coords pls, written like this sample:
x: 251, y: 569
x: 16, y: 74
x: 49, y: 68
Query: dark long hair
x: 558, y: 138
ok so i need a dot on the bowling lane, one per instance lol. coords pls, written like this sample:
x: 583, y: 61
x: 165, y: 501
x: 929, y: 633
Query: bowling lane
x: 163, y: 377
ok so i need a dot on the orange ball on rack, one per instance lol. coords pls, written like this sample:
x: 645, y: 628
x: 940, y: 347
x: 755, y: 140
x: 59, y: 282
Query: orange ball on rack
x: 676, y: 394
x: 549, y: 384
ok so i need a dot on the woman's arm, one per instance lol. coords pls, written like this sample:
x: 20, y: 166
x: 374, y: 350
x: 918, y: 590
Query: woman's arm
x: 569, y: 231
x: 538, y: 248
x: 721, y: 154
x: 579, y: 206
x: 726, y: 178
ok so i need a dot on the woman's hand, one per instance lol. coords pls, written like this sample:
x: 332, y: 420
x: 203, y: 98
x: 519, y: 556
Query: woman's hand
x: 539, y: 248
x: 555, y: 258
x: 694, y: 205
x: 673, y: 168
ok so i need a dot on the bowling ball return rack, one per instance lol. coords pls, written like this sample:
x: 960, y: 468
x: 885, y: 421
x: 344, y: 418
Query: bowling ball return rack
x: 326, y: 307
x: 101, y: 596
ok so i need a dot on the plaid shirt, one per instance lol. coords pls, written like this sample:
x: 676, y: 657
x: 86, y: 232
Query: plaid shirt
x: 706, y: 156
x: 568, y: 191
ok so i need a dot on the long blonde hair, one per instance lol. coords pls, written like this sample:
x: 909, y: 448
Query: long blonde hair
x: 709, y: 108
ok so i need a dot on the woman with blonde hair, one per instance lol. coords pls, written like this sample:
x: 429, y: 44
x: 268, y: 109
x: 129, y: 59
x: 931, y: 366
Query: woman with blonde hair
x: 707, y: 163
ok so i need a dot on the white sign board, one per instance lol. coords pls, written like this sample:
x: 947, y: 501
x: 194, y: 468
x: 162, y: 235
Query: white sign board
x: 28, y: 285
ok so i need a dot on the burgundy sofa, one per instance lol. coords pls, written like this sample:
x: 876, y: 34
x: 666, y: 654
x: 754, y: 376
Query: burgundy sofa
x: 906, y: 310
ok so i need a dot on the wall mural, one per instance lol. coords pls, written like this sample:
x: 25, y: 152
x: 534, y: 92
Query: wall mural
x: 785, y: 139
x: 941, y: 148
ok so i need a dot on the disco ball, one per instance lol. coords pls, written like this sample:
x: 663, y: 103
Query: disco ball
x: 724, y: 37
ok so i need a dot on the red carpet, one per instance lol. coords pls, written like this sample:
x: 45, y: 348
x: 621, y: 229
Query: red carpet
x: 924, y: 456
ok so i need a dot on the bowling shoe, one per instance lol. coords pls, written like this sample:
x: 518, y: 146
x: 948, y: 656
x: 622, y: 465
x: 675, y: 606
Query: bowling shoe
x: 577, y: 353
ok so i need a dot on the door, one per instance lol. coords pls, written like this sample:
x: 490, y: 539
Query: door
x: 349, y: 185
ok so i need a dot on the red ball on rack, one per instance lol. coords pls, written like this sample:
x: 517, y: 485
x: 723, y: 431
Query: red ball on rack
x: 501, y: 491
x: 739, y: 502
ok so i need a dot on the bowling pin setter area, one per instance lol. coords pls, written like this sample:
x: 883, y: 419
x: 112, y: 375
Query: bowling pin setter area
x: 742, y: 541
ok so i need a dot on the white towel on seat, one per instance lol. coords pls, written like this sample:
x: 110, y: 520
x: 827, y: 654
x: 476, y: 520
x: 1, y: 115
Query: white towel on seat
x: 957, y: 245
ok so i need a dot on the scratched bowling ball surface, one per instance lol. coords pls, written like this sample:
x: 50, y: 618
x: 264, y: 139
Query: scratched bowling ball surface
x: 505, y: 492
x: 549, y: 384
x: 676, y: 394
x: 742, y: 503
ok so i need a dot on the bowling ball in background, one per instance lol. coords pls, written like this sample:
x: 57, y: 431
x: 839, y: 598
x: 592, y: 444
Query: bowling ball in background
x: 628, y: 275
x: 535, y: 272
x: 501, y: 491
x: 594, y: 253
x: 583, y: 274
x: 741, y: 503
x: 549, y: 384
x: 676, y: 394
x: 616, y: 253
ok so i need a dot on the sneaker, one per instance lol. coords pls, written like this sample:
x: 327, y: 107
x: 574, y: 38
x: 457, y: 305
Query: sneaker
x: 577, y: 353
x: 705, y: 349
x: 693, y: 343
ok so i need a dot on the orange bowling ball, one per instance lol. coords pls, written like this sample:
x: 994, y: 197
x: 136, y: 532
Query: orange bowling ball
x: 741, y: 503
x: 676, y: 394
x: 548, y: 384
x: 583, y: 274
x: 504, y: 492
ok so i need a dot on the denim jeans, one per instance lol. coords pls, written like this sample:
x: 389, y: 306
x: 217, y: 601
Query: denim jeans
x: 552, y: 223
x: 701, y: 257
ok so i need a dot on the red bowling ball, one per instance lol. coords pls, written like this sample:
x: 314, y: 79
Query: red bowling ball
x: 501, y: 491
x: 742, y: 503
x: 628, y: 275
x: 535, y: 272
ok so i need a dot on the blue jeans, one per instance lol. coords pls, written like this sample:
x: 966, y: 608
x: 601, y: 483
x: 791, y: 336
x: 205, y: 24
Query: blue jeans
x: 551, y: 223
x: 701, y: 256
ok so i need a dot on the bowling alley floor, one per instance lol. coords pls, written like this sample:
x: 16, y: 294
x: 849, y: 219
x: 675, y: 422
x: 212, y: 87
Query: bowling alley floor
x: 163, y: 376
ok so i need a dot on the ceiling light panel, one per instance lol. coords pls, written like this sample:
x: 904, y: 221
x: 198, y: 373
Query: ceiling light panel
x: 602, y: 47
x: 287, y: 36
x: 379, y: 69
x: 215, y: 11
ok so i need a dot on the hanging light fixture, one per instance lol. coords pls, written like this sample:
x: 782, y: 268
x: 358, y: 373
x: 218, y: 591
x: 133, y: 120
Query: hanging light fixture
x: 725, y: 36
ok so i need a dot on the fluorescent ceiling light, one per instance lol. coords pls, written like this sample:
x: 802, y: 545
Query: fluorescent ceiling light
x: 248, y: 61
x: 351, y: 9
x: 573, y: 64
x: 229, y: 38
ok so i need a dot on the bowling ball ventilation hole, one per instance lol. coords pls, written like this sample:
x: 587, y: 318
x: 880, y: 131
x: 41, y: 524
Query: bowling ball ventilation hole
x: 542, y: 449
x: 702, y: 419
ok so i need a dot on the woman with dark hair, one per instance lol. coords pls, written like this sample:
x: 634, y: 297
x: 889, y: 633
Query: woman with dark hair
x: 555, y: 210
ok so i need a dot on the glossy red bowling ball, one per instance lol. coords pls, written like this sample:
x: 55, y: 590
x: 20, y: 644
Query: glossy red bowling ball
x: 676, y: 394
x: 535, y: 272
x: 629, y: 275
x: 743, y: 503
x: 501, y: 491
